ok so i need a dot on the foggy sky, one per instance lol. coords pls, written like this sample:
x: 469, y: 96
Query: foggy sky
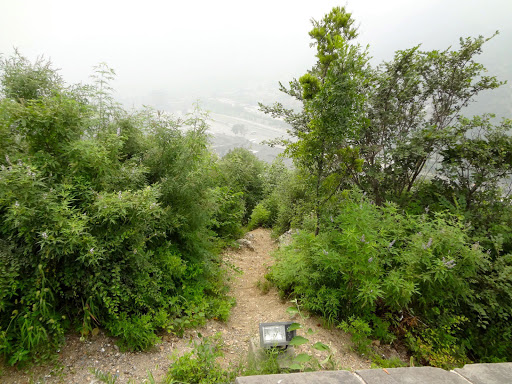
x: 193, y: 48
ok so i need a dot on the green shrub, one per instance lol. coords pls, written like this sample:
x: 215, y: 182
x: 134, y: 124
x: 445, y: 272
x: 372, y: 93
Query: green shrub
x: 135, y: 333
x: 241, y: 171
x: 439, y: 346
x: 228, y: 213
x: 360, y: 332
x: 260, y: 217
x: 105, y: 220
x: 373, y: 260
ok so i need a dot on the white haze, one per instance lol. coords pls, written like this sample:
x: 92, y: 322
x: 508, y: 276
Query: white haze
x: 195, y: 49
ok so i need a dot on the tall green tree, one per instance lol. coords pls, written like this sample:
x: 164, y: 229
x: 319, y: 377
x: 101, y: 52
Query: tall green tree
x: 414, y: 102
x: 400, y: 115
x: 478, y: 159
x: 333, y: 108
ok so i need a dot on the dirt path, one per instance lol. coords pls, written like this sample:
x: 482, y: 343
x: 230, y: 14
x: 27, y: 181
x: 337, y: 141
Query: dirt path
x: 254, y: 307
x: 76, y: 358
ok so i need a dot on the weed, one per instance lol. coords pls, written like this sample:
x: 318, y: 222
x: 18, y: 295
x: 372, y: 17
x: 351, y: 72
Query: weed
x: 264, y: 286
x: 108, y: 378
x: 295, y: 310
x: 105, y: 377
x: 267, y: 366
x: 200, y: 366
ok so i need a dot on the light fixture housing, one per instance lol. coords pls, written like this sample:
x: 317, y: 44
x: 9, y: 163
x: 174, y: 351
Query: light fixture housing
x: 276, y: 334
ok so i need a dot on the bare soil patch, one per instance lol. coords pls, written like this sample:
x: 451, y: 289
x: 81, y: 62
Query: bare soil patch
x: 76, y: 358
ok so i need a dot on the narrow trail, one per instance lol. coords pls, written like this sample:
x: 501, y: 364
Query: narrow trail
x: 254, y: 307
x: 76, y: 358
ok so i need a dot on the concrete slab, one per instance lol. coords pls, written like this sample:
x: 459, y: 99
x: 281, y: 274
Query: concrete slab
x: 323, y: 377
x: 414, y: 375
x: 498, y: 373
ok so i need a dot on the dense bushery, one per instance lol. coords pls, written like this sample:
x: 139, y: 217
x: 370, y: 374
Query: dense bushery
x: 400, y: 203
x: 108, y: 219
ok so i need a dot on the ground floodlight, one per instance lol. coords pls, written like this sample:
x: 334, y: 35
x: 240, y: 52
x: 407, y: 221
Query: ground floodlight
x: 275, y: 334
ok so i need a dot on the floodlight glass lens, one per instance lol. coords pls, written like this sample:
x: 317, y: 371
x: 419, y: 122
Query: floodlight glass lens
x: 274, y: 334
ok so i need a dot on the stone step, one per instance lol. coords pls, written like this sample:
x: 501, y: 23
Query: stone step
x: 497, y: 373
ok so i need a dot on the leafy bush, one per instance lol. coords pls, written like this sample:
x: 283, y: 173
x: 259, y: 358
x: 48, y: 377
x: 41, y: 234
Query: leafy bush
x: 439, y: 346
x: 136, y: 333
x: 415, y: 269
x: 228, y: 213
x: 286, y: 198
x: 23, y: 80
x: 367, y: 129
x: 260, y: 217
x: 360, y: 331
x: 105, y: 219
x: 241, y: 171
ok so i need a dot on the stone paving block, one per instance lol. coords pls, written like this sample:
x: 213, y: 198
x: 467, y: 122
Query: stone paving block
x: 498, y: 373
x: 414, y: 375
x: 324, y: 377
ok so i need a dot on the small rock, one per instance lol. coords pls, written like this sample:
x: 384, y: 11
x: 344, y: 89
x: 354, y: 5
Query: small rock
x: 245, y: 243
